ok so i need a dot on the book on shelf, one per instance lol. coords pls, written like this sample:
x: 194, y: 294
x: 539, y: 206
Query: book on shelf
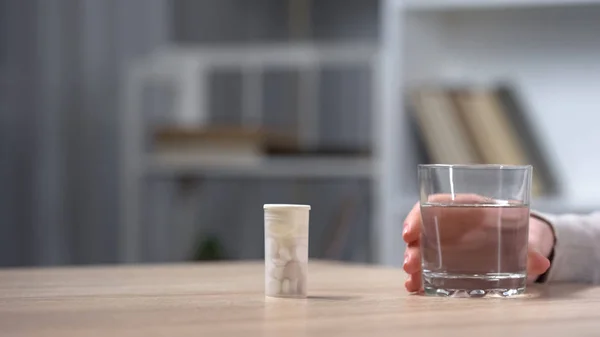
x: 491, y: 130
x: 479, y: 125
x: 209, y: 145
x: 441, y: 129
x: 230, y: 145
x: 529, y: 137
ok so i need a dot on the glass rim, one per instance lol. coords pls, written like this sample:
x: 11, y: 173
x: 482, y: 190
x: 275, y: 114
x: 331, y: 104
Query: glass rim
x: 478, y: 166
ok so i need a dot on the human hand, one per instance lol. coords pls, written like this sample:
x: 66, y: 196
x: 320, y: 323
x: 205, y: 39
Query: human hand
x: 456, y: 234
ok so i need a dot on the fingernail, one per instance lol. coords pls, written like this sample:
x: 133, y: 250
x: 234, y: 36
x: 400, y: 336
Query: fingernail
x: 405, y: 229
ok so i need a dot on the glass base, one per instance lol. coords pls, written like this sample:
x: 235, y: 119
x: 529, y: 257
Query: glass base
x: 474, y: 285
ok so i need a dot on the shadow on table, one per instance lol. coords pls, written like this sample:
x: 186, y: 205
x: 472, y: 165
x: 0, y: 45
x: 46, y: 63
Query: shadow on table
x: 558, y: 291
x: 541, y: 292
x: 332, y: 298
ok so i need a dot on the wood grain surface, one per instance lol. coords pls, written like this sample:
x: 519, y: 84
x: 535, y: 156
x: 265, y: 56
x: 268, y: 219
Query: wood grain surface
x: 205, y: 299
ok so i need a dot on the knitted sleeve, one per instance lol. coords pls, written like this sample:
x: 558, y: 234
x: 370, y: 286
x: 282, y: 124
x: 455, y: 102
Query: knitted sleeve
x: 576, y: 254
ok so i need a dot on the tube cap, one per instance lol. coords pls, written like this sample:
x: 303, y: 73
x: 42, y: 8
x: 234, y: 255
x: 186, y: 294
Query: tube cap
x: 274, y: 206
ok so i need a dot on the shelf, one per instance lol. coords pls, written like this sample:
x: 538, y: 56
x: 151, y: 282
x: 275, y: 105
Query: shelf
x: 446, y: 5
x: 270, y: 55
x: 277, y: 167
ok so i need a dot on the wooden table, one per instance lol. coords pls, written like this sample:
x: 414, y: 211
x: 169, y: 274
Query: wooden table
x: 227, y: 300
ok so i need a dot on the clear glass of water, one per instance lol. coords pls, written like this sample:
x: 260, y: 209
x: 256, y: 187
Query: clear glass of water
x: 475, y: 227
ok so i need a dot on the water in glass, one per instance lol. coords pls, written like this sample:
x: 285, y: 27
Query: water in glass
x: 474, y: 250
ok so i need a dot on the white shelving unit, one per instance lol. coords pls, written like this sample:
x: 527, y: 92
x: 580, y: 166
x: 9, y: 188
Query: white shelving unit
x: 186, y: 69
x: 294, y: 167
x: 549, y: 49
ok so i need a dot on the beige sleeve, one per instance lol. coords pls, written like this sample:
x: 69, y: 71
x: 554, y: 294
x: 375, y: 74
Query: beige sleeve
x: 577, y: 248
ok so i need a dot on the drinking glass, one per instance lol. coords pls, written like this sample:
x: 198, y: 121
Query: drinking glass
x: 474, y: 229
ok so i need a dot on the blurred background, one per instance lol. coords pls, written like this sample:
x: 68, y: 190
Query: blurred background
x: 143, y: 131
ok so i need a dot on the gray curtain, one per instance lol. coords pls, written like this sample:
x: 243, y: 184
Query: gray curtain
x: 61, y: 62
x: 60, y: 67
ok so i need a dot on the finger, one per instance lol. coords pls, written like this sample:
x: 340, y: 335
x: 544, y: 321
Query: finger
x: 412, y: 260
x: 454, y: 219
x: 457, y: 198
x: 416, y: 243
x: 537, y: 264
x: 413, y: 283
x: 412, y: 225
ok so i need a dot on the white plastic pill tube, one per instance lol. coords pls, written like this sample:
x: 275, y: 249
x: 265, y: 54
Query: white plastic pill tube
x: 286, y: 250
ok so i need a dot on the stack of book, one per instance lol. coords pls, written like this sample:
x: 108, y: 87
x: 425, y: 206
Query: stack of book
x: 234, y: 145
x: 217, y: 145
x: 476, y: 125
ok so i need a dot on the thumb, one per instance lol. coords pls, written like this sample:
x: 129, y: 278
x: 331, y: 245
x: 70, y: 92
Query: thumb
x: 537, y: 264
